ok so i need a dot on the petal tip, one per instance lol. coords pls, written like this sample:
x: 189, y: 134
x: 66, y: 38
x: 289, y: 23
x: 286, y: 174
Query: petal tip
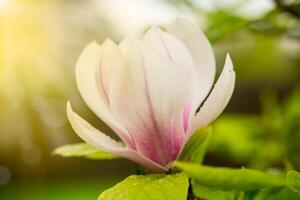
x: 152, y: 30
x: 128, y: 40
x: 68, y: 104
x: 87, y: 54
x: 69, y: 107
x: 92, y: 44
x: 181, y: 19
x: 228, y: 63
x: 108, y: 43
x: 69, y: 110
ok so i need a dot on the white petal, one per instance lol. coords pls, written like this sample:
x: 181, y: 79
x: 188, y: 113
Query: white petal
x: 174, y: 50
x: 153, y: 93
x: 217, y: 100
x: 87, y: 74
x: 200, y: 50
x: 111, y: 61
x: 103, y: 142
x: 170, y: 48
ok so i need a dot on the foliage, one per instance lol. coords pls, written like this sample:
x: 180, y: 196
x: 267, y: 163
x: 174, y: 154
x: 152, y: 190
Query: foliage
x: 293, y: 178
x: 150, y: 187
x: 215, y: 183
x: 194, y: 143
x: 261, y: 141
x: 205, y: 192
x: 197, y: 156
x: 82, y: 150
x: 271, y: 194
x: 230, y: 179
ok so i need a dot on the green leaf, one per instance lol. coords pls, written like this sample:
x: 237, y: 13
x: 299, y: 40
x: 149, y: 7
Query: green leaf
x: 149, y: 187
x: 82, y: 150
x: 223, y: 24
x: 273, y: 193
x: 252, y: 194
x: 236, y: 137
x: 230, y: 179
x: 293, y: 179
x: 204, y: 192
x: 198, y: 154
x: 194, y: 143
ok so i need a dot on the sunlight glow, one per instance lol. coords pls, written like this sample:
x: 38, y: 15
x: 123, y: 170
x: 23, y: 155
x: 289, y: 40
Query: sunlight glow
x: 4, y: 5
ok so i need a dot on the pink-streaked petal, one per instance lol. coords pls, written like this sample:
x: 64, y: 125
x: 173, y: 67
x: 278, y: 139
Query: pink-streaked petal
x: 176, y: 52
x: 217, y: 100
x: 153, y: 93
x: 169, y: 88
x: 103, y: 142
x: 87, y: 74
x: 200, y: 50
x: 186, y: 116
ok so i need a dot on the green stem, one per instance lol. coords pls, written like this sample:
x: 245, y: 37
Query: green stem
x: 230, y: 179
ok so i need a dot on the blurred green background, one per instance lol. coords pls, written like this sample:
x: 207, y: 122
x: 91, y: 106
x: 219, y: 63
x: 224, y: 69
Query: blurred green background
x: 39, y: 45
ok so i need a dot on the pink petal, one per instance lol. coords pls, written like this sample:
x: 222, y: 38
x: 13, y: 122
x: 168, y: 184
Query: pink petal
x: 87, y: 74
x: 176, y: 52
x: 186, y: 116
x: 103, y: 142
x: 148, y: 97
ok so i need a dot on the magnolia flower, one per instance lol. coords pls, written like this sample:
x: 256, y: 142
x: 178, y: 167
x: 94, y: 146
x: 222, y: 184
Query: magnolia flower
x: 149, y: 92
